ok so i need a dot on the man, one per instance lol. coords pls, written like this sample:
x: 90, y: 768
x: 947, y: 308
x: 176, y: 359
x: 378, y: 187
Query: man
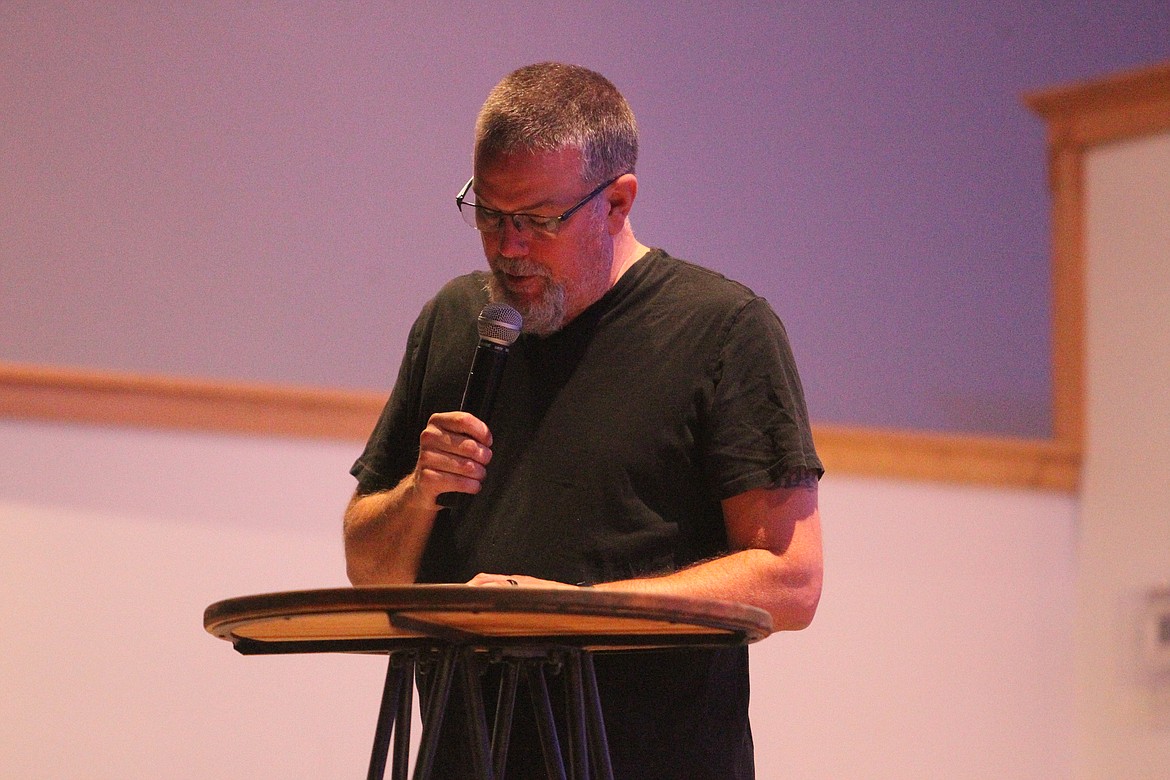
x: 650, y: 434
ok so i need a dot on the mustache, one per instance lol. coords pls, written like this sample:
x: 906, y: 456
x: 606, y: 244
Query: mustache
x: 518, y: 267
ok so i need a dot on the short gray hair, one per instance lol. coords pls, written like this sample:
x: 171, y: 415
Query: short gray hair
x: 551, y: 106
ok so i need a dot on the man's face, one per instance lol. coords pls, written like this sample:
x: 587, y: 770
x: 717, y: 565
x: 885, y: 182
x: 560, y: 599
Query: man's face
x: 548, y: 280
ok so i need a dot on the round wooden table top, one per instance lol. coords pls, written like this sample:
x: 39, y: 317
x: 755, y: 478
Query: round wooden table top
x: 372, y: 619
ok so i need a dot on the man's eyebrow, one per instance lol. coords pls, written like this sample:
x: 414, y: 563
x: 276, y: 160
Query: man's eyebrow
x: 546, y: 203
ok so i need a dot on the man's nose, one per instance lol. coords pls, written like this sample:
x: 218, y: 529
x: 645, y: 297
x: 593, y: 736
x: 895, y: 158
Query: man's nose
x: 513, y: 243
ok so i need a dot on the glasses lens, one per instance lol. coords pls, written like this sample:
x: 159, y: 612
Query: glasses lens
x: 545, y: 227
x: 488, y: 220
x: 479, y: 218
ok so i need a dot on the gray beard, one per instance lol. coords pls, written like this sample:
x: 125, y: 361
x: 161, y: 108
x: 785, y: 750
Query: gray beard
x: 542, y: 317
x: 549, y: 312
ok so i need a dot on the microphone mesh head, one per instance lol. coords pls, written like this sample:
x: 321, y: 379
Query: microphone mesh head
x: 500, y: 324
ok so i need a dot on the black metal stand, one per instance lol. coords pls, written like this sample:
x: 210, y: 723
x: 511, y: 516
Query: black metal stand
x: 588, y: 750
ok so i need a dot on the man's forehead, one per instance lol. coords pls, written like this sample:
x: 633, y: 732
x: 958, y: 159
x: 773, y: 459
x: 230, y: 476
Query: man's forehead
x: 528, y: 179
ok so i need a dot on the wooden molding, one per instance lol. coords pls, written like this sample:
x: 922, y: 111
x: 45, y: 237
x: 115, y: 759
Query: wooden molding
x: 945, y: 457
x: 107, y: 398
x: 1079, y: 117
x: 1125, y: 105
x: 100, y: 397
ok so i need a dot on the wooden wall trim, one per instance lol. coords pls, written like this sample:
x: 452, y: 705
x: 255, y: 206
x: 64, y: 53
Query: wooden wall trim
x: 946, y: 457
x: 95, y: 397
x: 1079, y: 117
x: 1125, y: 105
x: 108, y: 398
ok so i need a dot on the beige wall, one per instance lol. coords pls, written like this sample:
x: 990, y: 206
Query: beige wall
x: 1123, y: 723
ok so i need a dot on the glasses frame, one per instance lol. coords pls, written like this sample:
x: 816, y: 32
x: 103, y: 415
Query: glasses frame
x: 550, y: 222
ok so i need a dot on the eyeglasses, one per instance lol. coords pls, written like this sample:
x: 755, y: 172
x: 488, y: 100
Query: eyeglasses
x: 487, y: 220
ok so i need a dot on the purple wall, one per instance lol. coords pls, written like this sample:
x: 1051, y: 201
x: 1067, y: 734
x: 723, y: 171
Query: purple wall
x: 265, y: 191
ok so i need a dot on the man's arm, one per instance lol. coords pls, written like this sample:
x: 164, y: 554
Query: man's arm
x: 775, y: 561
x: 386, y: 532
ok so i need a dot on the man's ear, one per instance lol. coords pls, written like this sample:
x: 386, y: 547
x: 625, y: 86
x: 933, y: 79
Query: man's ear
x: 620, y: 198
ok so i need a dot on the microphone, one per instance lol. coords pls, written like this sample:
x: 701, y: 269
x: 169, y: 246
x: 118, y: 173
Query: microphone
x: 499, y: 327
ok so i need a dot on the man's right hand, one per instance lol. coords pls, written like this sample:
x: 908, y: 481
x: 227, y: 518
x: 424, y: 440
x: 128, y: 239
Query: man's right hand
x: 385, y: 532
x: 453, y: 453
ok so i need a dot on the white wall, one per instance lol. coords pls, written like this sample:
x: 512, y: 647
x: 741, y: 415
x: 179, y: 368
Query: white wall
x: 942, y: 648
x: 1123, y: 706
x: 114, y: 541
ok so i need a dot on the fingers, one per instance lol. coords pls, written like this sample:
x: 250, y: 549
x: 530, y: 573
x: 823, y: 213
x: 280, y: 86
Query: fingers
x: 463, y: 424
x: 454, y: 450
x: 495, y: 580
x: 483, y: 579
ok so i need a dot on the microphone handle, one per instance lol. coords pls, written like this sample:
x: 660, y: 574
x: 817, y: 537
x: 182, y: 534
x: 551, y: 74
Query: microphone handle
x: 487, y: 368
x: 479, y: 397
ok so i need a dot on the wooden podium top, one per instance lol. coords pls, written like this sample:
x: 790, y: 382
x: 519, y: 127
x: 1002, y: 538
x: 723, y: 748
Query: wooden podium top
x: 381, y: 619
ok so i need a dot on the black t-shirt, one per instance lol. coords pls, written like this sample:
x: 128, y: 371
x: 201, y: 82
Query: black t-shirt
x: 614, y: 441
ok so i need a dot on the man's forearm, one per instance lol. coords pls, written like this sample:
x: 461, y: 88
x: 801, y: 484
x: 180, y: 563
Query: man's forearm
x: 385, y: 534
x: 756, y: 577
x: 776, y: 563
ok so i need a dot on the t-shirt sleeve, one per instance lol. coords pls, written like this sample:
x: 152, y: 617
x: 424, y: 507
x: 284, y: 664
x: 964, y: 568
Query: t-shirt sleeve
x: 392, y: 448
x: 430, y: 378
x: 760, y: 427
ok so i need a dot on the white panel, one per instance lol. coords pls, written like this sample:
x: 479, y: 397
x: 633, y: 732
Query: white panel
x: 1124, y: 712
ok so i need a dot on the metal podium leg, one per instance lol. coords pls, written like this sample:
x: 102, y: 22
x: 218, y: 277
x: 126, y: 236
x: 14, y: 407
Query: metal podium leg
x: 598, y: 741
x: 575, y: 703
x: 545, y: 725
x: 505, y: 704
x: 433, y: 714
x: 476, y: 717
x: 401, y: 763
x: 396, y: 681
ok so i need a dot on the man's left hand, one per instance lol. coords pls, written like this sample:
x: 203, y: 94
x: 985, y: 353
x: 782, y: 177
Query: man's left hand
x: 515, y: 581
